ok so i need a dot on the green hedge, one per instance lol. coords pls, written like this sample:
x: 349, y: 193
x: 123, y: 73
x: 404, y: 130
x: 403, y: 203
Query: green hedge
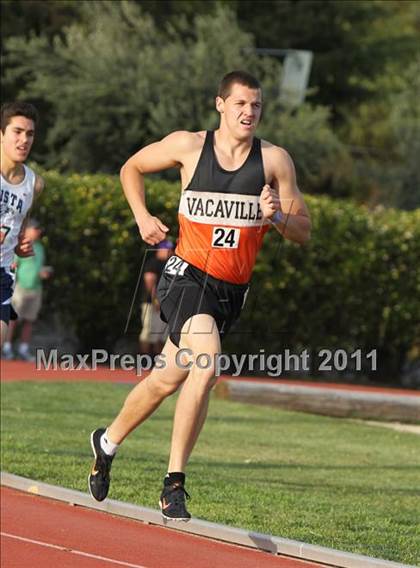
x: 355, y: 285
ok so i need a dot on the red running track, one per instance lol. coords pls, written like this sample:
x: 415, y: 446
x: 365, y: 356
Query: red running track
x: 22, y: 371
x: 42, y: 533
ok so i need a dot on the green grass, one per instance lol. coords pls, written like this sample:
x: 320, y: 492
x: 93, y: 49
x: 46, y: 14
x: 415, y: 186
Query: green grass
x: 325, y: 481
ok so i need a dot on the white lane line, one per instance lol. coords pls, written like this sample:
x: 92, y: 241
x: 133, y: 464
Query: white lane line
x: 65, y: 549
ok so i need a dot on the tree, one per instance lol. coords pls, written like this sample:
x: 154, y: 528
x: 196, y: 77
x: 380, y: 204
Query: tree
x: 388, y: 127
x: 323, y: 163
x: 20, y: 18
x: 352, y: 41
x: 405, y: 126
x: 126, y: 83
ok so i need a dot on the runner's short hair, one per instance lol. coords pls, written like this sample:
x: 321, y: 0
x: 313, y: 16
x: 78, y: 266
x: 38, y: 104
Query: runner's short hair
x: 17, y: 108
x: 241, y: 77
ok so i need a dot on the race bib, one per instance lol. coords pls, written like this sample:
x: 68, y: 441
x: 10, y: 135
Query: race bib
x: 176, y: 266
x: 224, y: 237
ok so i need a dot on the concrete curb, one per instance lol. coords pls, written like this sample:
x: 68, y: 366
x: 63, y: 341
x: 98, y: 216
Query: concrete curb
x: 325, y: 401
x: 273, y: 544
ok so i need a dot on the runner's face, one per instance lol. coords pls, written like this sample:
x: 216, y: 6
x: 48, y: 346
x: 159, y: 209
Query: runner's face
x: 241, y: 109
x: 18, y: 138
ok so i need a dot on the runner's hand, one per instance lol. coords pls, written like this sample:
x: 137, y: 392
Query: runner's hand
x: 269, y: 201
x: 24, y: 248
x: 152, y: 230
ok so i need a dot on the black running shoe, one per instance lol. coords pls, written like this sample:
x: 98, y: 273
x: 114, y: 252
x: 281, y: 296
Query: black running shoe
x: 172, y: 502
x: 99, y: 478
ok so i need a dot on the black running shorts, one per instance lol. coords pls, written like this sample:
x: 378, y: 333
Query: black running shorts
x: 7, y: 312
x: 184, y: 291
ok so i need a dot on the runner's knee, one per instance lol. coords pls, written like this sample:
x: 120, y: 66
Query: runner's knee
x: 204, y: 374
x: 158, y: 386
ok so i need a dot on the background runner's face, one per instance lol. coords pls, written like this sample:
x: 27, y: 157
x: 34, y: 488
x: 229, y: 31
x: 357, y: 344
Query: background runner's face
x: 241, y: 110
x: 18, y: 138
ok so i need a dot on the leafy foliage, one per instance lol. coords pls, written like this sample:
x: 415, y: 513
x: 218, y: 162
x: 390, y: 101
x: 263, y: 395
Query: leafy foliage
x: 97, y: 254
x: 353, y: 286
x: 110, y: 77
x: 405, y: 125
x: 323, y: 163
x: 115, y: 98
x: 125, y: 82
x: 353, y: 41
x: 388, y: 127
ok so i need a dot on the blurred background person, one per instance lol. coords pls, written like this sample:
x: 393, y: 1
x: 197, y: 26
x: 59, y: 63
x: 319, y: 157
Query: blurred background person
x: 154, y: 331
x: 19, y: 188
x: 27, y: 296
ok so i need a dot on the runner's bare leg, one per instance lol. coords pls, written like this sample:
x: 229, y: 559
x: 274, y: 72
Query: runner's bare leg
x: 193, y: 400
x: 145, y: 397
x: 3, y: 332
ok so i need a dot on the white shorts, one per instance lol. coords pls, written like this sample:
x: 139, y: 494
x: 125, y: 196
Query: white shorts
x: 27, y: 303
x: 154, y: 329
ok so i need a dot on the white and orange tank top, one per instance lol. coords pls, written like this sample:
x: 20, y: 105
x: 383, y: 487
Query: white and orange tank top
x: 221, y: 227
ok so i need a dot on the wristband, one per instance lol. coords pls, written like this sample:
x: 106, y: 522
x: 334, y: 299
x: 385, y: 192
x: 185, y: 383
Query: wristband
x: 276, y: 218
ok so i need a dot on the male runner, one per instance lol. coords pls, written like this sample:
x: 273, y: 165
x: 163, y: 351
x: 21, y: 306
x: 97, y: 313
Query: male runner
x: 19, y: 186
x: 235, y: 187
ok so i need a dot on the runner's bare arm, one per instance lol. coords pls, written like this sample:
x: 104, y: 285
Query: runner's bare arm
x: 154, y: 158
x: 39, y: 186
x: 24, y: 247
x: 284, y: 196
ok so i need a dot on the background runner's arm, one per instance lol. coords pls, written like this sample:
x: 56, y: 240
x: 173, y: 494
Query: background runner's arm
x: 295, y: 222
x: 39, y: 186
x: 24, y: 247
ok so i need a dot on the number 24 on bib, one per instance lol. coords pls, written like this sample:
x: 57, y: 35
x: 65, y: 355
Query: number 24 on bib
x: 223, y: 237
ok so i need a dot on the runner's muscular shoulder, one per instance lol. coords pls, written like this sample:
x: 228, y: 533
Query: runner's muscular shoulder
x: 174, y: 151
x: 278, y: 165
x: 281, y: 174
